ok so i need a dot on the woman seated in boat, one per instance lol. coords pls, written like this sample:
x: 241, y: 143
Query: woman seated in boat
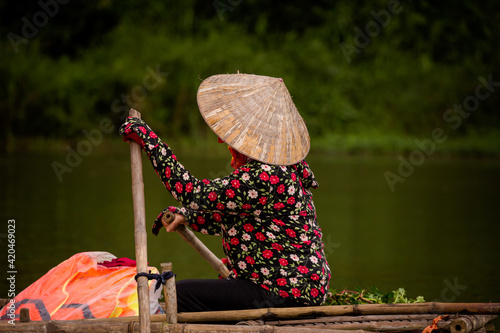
x: 263, y: 210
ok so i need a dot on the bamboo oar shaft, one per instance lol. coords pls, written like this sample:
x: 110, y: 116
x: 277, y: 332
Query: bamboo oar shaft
x: 141, y: 252
x: 198, y: 245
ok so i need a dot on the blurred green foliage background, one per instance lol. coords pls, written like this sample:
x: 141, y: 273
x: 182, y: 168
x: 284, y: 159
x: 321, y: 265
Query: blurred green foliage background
x: 367, y: 76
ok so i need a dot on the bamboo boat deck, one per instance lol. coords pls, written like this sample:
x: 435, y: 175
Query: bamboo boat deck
x: 457, y: 318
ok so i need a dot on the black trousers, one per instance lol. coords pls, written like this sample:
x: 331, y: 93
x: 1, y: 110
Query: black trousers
x: 233, y: 294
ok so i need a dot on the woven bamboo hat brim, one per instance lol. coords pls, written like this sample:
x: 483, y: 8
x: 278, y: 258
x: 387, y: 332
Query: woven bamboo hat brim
x: 256, y: 116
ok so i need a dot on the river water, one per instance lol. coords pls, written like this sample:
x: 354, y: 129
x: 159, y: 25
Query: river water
x: 436, y: 234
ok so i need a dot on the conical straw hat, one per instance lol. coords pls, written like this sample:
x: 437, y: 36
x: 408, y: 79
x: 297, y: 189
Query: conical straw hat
x: 256, y: 116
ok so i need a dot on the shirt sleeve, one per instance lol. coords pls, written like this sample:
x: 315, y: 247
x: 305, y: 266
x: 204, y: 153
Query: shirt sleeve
x: 205, y: 203
x: 204, y: 222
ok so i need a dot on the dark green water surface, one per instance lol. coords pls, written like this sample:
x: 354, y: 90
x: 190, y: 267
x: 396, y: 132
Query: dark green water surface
x: 436, y: 235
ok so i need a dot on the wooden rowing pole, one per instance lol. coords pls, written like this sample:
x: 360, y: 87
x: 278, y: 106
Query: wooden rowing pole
x: 141, y: 249
x: 141, y: 237
x: 197, y: 244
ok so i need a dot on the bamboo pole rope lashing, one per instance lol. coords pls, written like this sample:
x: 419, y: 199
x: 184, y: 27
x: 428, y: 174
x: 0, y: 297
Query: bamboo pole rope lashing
x: 198, y: 245
x: 141, y: 252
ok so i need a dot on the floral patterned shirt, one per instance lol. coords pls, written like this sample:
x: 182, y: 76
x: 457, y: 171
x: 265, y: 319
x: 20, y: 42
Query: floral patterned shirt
x: 264, y: 213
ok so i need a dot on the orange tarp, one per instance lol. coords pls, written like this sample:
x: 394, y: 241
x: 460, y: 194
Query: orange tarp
x: 81, y: 288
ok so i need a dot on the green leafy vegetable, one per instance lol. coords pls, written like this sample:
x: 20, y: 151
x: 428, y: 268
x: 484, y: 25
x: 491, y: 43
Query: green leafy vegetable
x: 371, y: 295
